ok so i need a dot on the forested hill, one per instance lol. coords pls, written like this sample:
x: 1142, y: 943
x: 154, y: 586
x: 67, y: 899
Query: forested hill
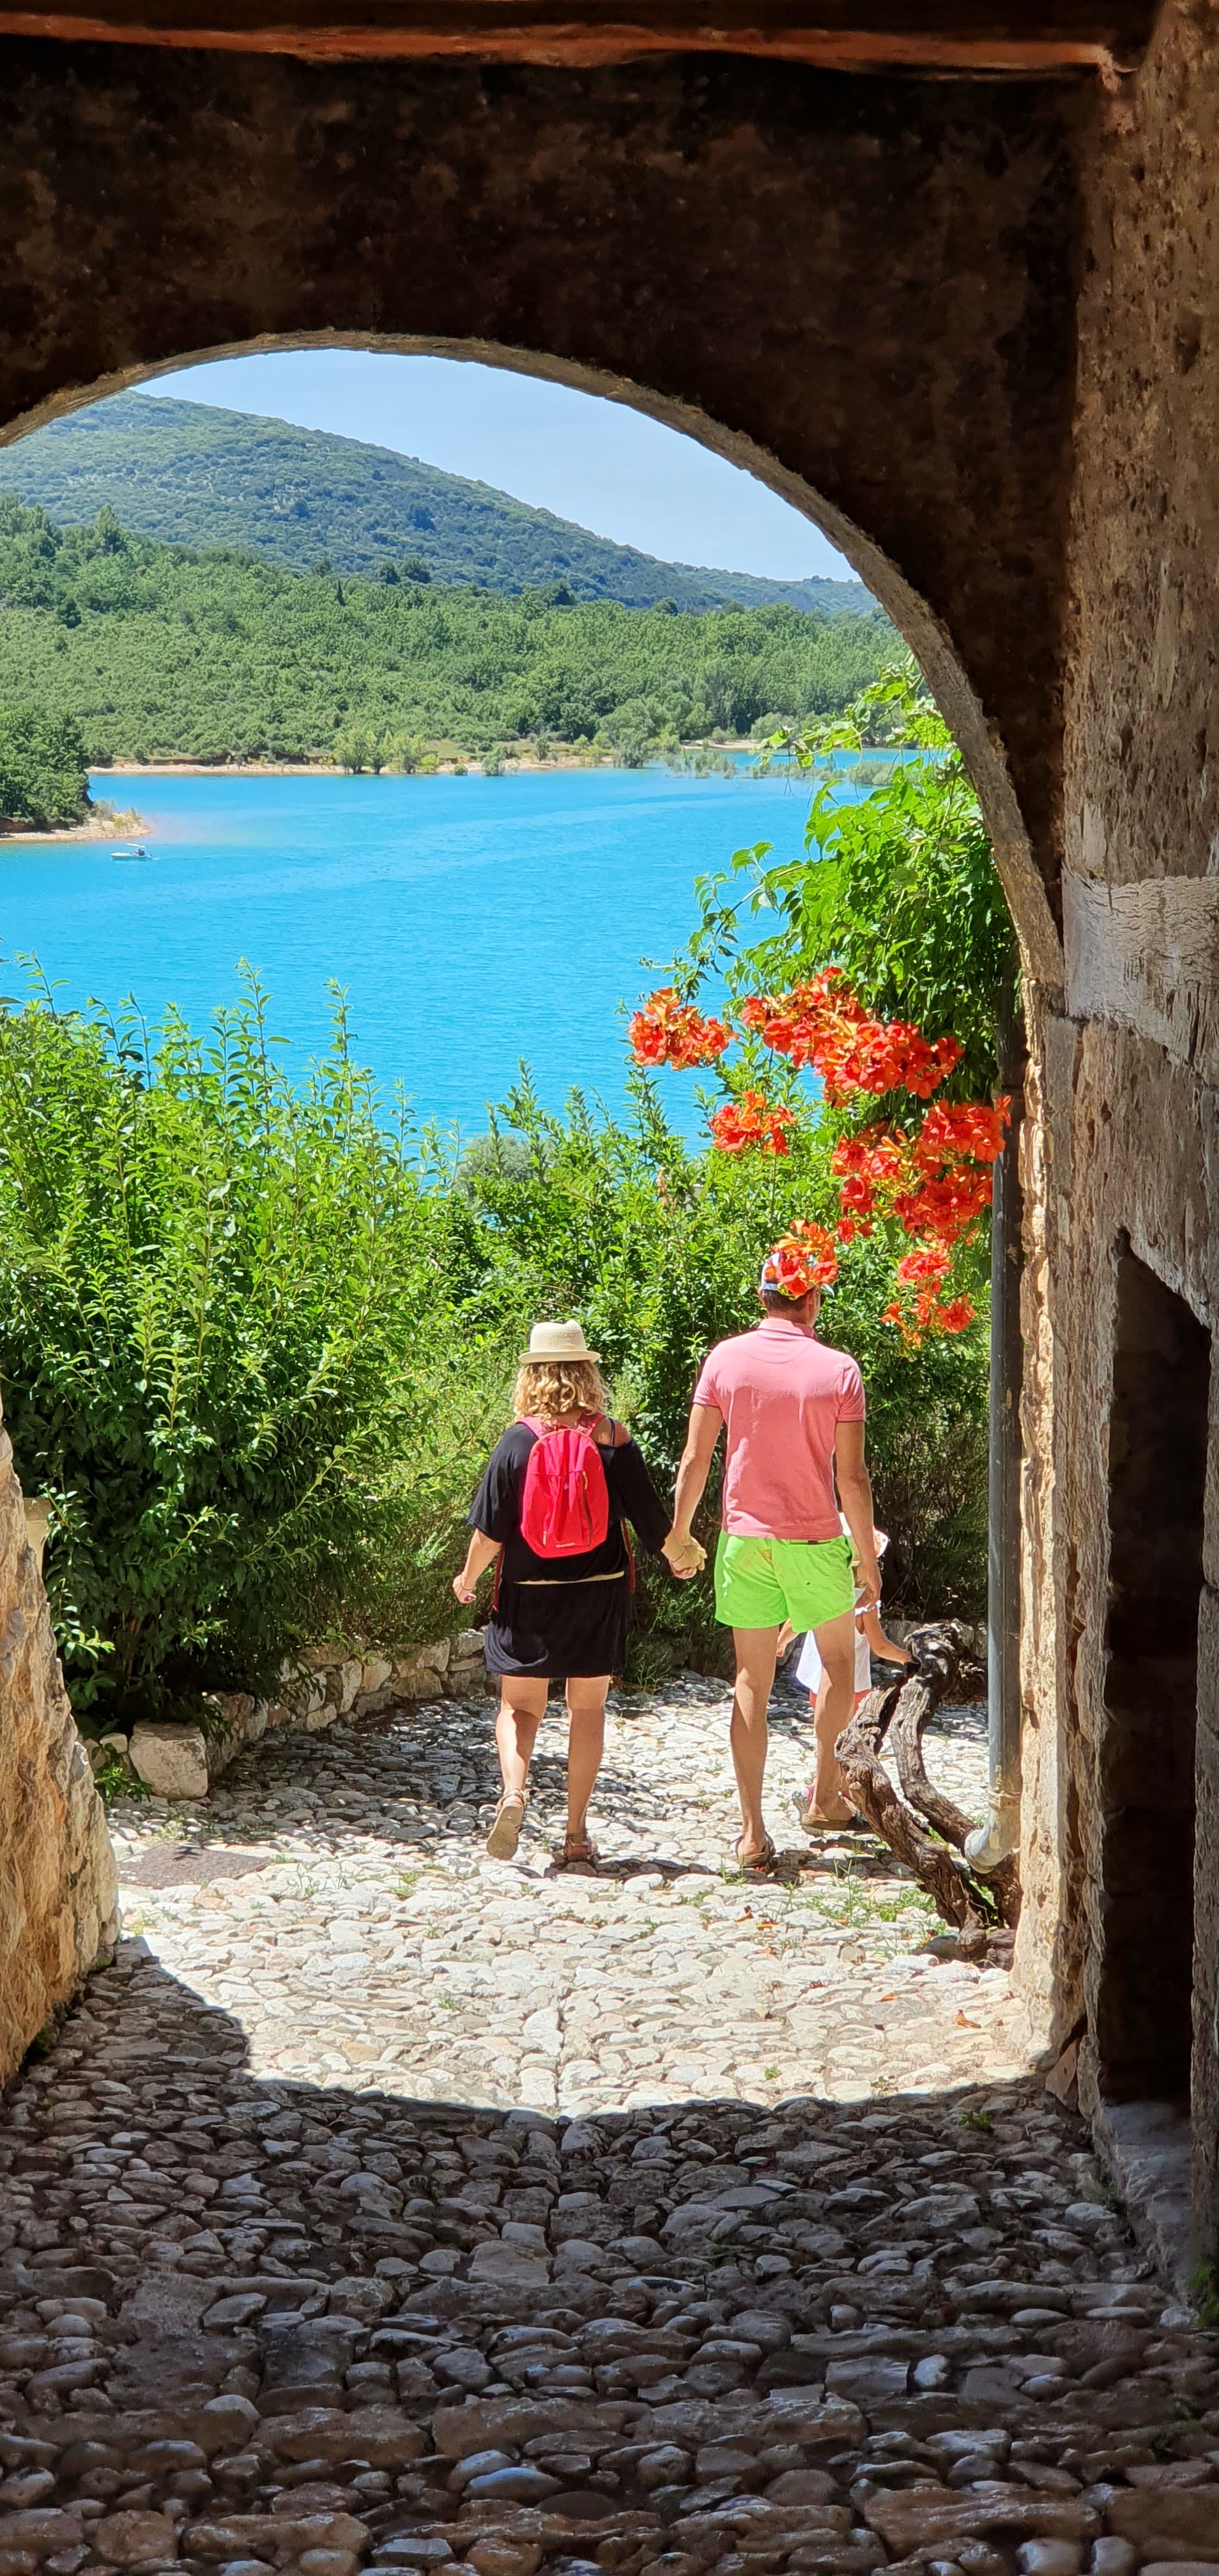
x: 160, y: 652
x: 200, y: 477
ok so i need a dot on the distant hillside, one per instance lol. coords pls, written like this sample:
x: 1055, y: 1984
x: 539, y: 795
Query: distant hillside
x: 160, y: 652
x: 194, y: 476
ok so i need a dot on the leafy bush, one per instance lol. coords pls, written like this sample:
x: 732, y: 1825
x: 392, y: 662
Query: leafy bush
x: 42, y: 768
x: 209, y: 1287
x: 255, y: 1344
x: 658, y: 1250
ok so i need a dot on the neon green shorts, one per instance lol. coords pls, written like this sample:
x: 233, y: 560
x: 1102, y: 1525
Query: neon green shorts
x: 760, y: 1582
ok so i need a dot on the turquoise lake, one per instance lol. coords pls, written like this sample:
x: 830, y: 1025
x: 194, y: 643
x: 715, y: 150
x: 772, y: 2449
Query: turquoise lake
x: 473, y: 921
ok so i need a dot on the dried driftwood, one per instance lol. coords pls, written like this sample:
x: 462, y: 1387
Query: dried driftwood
x: 974, y: 1906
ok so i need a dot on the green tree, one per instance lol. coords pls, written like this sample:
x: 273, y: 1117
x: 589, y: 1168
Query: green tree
x: 160, y: 650
x: 42, y: 767
x: 897, y: 885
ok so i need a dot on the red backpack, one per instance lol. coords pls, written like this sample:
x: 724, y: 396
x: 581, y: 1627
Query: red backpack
x: 565, y: 1503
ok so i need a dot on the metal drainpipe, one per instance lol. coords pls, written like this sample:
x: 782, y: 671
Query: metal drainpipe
x: 994, y: 1842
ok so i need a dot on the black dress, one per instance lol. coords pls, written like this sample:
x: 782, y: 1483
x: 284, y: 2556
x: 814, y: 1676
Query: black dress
x: 561, y: 1617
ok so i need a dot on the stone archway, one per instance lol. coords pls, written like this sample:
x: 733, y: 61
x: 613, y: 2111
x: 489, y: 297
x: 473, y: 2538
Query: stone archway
x: 860, y: 292
x: 901, y: 302
x: 854, y: 289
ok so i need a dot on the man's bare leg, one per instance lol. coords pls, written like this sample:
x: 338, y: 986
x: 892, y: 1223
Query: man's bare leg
x: 835, y: 1702
x: 755, y: 1672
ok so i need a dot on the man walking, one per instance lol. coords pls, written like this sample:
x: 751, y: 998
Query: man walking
x: 792, y: 1411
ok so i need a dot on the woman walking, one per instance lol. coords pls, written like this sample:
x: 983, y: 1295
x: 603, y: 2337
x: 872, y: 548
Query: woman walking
x: 552, y: 1507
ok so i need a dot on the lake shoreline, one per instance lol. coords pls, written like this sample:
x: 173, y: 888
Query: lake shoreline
x: 99, y: 827
x: 524, y: 768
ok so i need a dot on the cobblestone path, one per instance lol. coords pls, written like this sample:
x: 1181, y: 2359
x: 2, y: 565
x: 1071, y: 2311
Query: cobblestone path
x: 387, y: 2206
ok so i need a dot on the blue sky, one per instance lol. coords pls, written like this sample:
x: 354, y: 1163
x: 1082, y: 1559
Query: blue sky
x: 594, y: 461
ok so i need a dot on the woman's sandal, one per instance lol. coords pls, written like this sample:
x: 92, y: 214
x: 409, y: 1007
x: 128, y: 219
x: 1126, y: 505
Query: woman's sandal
x: 758, y: 1864
x: 506, y: 1825
x: 577, y: 1850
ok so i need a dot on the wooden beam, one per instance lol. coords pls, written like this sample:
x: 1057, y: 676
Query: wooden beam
x: 1033, y: 38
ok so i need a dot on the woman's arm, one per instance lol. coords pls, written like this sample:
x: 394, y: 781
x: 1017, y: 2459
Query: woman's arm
x: 481, y: 1552
x: 643, y: 1507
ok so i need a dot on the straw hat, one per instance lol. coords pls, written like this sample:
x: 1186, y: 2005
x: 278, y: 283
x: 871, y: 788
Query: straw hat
x: 558, y: 1342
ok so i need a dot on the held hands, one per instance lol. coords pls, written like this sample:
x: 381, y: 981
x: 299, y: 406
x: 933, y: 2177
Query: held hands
x: 867, y: 1583
x: 685, y: 1557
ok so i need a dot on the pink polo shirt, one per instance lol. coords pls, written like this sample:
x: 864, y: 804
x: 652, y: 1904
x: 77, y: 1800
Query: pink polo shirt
x: 782, y: 1395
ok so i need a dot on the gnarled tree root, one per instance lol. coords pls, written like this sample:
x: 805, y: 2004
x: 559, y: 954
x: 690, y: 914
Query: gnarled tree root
x: 976, y: 1907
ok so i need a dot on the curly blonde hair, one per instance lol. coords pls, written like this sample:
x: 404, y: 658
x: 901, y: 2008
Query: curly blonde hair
x: 553, y: 1390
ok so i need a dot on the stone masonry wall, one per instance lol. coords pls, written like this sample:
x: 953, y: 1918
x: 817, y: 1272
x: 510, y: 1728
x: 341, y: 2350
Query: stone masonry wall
x: 1128, y: 1072
x: 181, y: 1759
x: 58, y: 1906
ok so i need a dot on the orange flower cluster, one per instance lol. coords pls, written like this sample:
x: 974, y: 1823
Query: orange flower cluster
x: 752, y: 1120
x: 670, y: 1031
x: 803, y: 1258
x: 822, y: 1026
x: 873, y: 1164
x: 924, y: 1273
x: 936, y: 1183
x: 951, y: 1159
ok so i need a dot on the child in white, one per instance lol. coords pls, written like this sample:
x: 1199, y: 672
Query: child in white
x: 870, y: 1639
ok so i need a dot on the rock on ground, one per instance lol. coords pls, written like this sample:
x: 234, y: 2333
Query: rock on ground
x: 382, y: 2205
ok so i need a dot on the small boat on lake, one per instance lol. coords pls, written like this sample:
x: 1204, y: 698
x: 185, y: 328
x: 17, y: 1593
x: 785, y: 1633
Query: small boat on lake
x: 140, y: 853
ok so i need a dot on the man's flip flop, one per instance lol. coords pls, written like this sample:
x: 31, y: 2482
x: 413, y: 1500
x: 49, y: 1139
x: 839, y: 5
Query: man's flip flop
x: 759, y: 1864
x: 812, y: 1823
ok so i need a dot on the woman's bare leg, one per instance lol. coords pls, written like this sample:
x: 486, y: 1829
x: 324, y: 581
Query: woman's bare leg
x: 585, y: 1745
x: 522, y: 1707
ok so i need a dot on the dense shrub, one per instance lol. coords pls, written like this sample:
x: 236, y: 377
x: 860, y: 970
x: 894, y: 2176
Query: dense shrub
x: 42, y: 768
x: 209, y: 1288
x: 255, y: 1343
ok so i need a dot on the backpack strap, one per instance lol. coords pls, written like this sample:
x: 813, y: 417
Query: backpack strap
x: 618, y: 1434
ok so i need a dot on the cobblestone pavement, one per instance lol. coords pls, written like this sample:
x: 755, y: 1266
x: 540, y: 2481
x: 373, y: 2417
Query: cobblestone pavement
x: 368, y: 1938
x: 382, y: 2205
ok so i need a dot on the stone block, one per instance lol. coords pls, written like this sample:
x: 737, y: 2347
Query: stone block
x: 136, y: 2539
x: 1167, y: 2520
x: 171, y: 1760
x: 421, y: 1675
x: 933, y: 2518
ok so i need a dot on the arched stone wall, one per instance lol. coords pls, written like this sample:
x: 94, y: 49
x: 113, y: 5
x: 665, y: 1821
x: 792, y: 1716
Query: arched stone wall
x: 970, y: 326
x: 58, y: 1888
x: 861, y: 288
